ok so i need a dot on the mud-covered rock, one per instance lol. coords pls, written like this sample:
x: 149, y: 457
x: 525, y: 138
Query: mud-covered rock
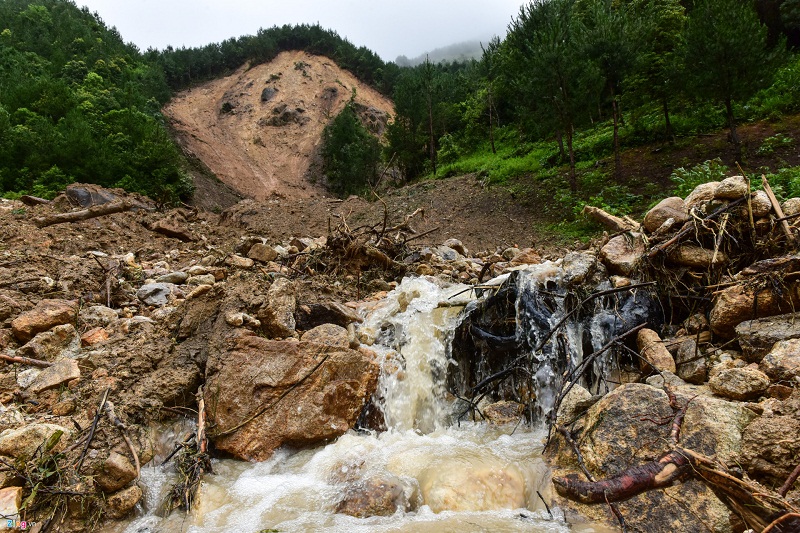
x: 299, y: 393
x: 504, y: 412
x: 60, y: 342
x: 122, y: 503
x: 277, y: 316
x: 97, y: 316
x: 47, y: 314
x: 262, y: 252
x: 736, y: 304
x: 377, y: 496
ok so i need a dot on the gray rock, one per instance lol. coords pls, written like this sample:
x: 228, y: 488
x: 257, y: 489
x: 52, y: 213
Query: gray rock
x: 691, y: 362
x: 204, y: 279
x: 665, y: 378
x: 456, y: 245
x: 155, y: 294
x: 448, y: 254
x: 757, y: 337
x: 54, y: 376
x: 791, y: 207
x: 176, y: 278
x: 760, y: 204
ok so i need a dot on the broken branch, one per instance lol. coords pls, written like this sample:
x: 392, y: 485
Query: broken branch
x: 85, y: 214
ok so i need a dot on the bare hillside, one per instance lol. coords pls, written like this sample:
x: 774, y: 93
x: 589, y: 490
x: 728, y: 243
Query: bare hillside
x: 259, y: 129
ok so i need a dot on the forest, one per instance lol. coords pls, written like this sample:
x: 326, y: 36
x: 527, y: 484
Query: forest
x: 572, y: 82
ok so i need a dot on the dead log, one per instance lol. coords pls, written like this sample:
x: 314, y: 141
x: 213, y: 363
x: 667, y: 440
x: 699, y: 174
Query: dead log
x: 610, y: 221
x: 33, y: 200
x: 84, y: 214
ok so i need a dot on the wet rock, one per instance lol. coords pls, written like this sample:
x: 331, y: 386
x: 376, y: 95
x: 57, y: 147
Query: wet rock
x: 702, y: 193
x: 504, y: 412
x: 328, y: 335
x: 47, y: 314
x: 697, y: 257
x: 176, y: 278
x: 622, y: 253
x: 783, y: 362
x: 732, y: 188
x: 691, y: 362
x: 322, y: 391
x: 579, y: 267
x: 652, y: 350
x: 156, y: 294
x: 673, y: 207
x: 60, y: 342
x: 378, y: 496
x: 120, y: 504
x: 757, y: 337
x: 736, y: 304
x: 262, y: 252
x: 115, y: 472
x: 277, y: 317
x: 54, y: 376
x: 24, y: 441
x: 97, y: 316
x: 739, y: 383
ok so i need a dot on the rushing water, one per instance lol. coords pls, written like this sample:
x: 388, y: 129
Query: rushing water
x: 446, y: 476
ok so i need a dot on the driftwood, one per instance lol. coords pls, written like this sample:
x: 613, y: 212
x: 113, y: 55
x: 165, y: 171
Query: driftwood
x: 84, y: 214
x: 25, y: 360
x: 610, y: 221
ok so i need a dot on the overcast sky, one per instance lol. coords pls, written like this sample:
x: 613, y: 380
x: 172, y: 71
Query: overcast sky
x: 388, y: 27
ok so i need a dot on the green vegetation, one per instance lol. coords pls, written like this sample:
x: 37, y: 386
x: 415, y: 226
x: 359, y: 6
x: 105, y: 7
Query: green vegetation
x: 350, y: 153
x: 78, y: 104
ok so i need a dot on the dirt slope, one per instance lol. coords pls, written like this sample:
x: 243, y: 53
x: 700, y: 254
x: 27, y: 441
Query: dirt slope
x: 259, y: 129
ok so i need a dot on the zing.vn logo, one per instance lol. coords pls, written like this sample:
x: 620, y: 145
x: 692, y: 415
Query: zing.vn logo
x: 21, y: 525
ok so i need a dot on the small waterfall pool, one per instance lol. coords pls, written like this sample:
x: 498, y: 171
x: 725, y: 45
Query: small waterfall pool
x: 444, y: 475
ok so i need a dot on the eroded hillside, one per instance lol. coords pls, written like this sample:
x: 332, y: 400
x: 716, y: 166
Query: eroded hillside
x: 259, y: 129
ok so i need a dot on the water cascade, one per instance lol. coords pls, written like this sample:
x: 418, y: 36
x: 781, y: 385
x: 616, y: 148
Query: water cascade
x: 427, y: 468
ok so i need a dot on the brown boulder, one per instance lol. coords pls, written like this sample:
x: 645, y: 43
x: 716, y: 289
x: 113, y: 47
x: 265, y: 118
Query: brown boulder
x: 46, y: 314
x: 622, y: 253
x: 284, y: 392
x: 732, y: 188
x: 262, y: 252
x: 328, y: 335
x: 373, y: 497
x: 116, y: 472
x: 739, y: 383
x: 120, y: 504
x: 691, y: 362
x: 702, y: 193
x: 501, y: 413
x: 736, y: 304
x: 783, y: 362
x: 673, y: 207
x: 652, y: 350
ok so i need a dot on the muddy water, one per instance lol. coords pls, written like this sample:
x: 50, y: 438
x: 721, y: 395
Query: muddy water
x: 448, y: 476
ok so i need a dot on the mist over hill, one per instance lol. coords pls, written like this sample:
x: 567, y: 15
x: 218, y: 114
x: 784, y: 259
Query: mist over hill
x: 462, y: 51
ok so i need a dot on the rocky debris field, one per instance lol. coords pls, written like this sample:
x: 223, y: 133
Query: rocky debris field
x: 124, y: 316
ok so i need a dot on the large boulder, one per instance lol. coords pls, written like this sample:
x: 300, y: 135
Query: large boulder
x: 702, y: 193
x: 625, y: 429
x: 732, y: 188
x: 736, y: 304
x: 622, y: 253
x: 757, y: 337
x: 739, y: 383
x: 261, y: 394
x: 771, y: 445
x: 23, y: 442
x: 673, y: 207
x: 47, y: 314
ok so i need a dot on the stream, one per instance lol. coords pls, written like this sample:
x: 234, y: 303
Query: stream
x: 445, y: 472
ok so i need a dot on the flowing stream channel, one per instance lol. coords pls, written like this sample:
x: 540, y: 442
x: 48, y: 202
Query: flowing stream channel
x: 445, y: 475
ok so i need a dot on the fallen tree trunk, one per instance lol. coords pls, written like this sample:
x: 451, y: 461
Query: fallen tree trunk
x: 84, y: 214
x: 610, y: 221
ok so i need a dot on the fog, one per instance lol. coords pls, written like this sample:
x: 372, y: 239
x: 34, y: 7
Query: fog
x: 388, y: 27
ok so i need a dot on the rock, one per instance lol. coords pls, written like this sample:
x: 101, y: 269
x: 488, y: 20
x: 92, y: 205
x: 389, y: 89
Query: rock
x: 696, y: 257
x: 312, y: 315
x: 10, y: 501
x: 328, y: 335
x: 504, y: 412
x: 456, y: 245
x: 622, y: 253
x: 262, y: 252
x: 510, y: 253
x: 23, y: 442
x: 325, y: 390
x: 239, y: 261
x: 783, y: 362
x: 47, y: 314
x: 771, y: 445
x: 691, y: 362
x: 198, y: 291
x: 757, y: 337
x: 172, y: 227
x: 526, y: 256
x: 97, y: 316
x: 665, y: 378
x: 473, y: 484
x: 9, y: 307
x: 579, y: 267
x: 56, y: 375
x: 176, y: 278
x: 760, y: 204
x: 155, y: 294
x: 203, y: 279
x: 116, y: 472
x: 6, y: 338
x: 732, y: 188
x: 739, y: 383
x: 120, y: 504
x: 65, y: 407
x: 60, y: 342
x: 377, y: 496
x: 88, y: 195
x: 94, y: 336
x: 652, y: 350
x: 673, y: 207
x: 695, y: 324
x: 736, y: 304
x: 573, y: 405
x: 277, y: 316
x: 242, y: 319
x: 424, y: 269
x: 702, y: 193
x: 791, y: 207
